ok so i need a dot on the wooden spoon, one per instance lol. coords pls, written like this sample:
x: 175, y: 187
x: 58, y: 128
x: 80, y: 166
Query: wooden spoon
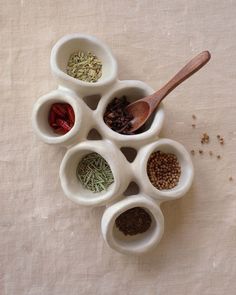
x: 142, y: 109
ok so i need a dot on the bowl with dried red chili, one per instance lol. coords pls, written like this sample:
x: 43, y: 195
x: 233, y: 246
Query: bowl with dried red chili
x: 57, y: 117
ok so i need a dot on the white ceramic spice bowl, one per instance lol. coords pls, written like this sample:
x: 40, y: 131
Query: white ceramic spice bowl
x: 41, y: 113
x: 137, y: 244
x: 71, y: 43
x: 186, y: 178
x: 72, y: 187
x: 133, y: 90
x: 89, y: 101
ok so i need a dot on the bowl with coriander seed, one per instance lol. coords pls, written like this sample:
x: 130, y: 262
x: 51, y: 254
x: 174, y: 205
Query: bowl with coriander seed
x: 167, y: 169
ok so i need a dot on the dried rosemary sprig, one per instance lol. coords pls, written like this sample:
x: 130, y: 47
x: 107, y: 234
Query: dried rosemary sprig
x: 94, y: 173
x: 84, y: 66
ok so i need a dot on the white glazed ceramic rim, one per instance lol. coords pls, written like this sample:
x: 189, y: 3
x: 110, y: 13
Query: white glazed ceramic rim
x: 122, y: 88
x: 186, y: 178
x: 140, y: 243
x: 71, y: 186
x: 86, y: 43
x: 40, y: 117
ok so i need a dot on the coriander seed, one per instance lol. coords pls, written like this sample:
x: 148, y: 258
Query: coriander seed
x: 205, y: 138
x: 220, y: 139
x: 163, y: 170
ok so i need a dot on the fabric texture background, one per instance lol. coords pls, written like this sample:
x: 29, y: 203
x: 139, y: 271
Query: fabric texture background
x: 49, y: 245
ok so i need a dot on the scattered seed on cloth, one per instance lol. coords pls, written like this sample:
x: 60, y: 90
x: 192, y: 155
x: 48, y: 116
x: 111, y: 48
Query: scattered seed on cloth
x: 220, y: 139
x: 205, y: 138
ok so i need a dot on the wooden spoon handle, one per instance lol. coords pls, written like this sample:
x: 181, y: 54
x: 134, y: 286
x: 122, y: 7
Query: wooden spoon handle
x: 189, y: 69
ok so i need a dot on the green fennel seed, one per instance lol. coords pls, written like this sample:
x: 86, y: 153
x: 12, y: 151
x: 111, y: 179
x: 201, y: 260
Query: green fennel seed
x: 94, y: 173
x: 84, y: 66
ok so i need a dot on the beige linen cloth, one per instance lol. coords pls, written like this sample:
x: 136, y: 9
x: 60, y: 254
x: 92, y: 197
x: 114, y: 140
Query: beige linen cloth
x: 49, y: 245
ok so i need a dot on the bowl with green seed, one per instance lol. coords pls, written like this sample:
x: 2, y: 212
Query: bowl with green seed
x: 83, y: 63
x: 91, y: 176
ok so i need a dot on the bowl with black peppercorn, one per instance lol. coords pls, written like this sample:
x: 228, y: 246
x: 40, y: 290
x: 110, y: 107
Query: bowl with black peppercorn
x: 116, y: 121
x: 167, y: 169
x: 133, y: 225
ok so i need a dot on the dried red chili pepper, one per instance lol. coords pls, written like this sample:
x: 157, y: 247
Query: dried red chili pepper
x: 71, y: 114
x: 61, y: 117
x: 63, y: 124
x: 60, y: 130
x: 59, y: 110
x: 52, y: 118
